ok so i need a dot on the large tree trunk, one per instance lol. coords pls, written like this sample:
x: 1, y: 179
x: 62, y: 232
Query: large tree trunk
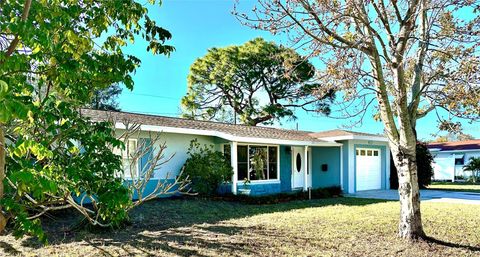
x: 404, y: 157
x: 402, y: 143
x: 3, y: 219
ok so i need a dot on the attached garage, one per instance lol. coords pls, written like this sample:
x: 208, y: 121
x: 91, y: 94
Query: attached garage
x: 365, y: 159
x: 368, y: 167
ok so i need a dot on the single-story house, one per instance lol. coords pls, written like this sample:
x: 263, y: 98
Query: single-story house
x: 295, y: 160
x: 450, y: 157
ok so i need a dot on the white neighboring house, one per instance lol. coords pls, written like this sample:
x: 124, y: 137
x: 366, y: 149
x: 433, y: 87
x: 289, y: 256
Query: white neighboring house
x: 450, y: 157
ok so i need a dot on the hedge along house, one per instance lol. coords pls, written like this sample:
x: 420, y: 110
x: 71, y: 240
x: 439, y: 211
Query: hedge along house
x: 292, y: 160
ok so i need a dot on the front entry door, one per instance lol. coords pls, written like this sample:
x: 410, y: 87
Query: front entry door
x: 298, y: 169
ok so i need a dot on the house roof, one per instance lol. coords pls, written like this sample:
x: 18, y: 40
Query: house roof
x: 340, y: 133
x: 242, y: 131
x: 455, y: 146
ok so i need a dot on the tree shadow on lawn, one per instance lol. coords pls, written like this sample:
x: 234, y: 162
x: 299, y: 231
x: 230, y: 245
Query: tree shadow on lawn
x: 9, y: 249
x: 205, y: 240
x: 182, y: 226
x: 429, y: 239
x: 183, y: 242
x: 164, y: 214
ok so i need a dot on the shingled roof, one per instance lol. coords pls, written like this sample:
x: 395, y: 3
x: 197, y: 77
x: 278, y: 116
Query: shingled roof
x: 340, y: 133
x: 459, y: 145
x: 231, y: 129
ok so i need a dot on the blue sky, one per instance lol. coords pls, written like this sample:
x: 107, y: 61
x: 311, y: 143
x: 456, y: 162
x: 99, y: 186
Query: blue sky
x: 197, y: 25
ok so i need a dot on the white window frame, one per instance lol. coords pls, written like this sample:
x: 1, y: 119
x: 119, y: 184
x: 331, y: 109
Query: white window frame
x: 465, y: 162
x: 223, y: 148
x: 125, y: 157
x: 248, y: 163
x: 359, y: 149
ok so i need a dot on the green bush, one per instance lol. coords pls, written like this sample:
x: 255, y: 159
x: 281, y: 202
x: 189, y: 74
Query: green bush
x: 424, y: 167
x: 51, y: 175
x: 206, y: 168
x: 318, y: 193
x: 474, y: 167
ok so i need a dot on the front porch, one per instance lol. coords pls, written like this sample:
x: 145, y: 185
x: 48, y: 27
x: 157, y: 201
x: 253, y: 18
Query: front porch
x: 262, y: 169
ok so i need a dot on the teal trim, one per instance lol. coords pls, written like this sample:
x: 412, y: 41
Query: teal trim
x: 331, y: 157
x: 254, y: 189
x: 383, y: 151
x: 149, y: 188
x: 286, y: 168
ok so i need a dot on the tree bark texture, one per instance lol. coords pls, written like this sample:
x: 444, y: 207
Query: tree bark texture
x: 3, y: 219
x: 404, y: 157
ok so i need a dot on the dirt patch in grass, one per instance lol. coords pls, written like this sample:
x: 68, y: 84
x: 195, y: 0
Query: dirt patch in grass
x: 325, y: 227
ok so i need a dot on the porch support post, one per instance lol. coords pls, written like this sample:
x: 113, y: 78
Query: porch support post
x: 233, y: 158
x: 305, y: 160
x: 341, y: 167
x: 387, y: 167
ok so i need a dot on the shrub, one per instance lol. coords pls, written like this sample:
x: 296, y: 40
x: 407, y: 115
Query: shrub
x: 206, y: 168
x: 474, y: 167
x: 318, y: 193
x: 57, y: 160
x: 424, y: 167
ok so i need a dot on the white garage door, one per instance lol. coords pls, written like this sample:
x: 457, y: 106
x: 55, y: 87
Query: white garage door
x: 369, y: 170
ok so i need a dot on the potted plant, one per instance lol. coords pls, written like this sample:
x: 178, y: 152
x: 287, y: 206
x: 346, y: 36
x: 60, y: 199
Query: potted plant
x: 246, y: 190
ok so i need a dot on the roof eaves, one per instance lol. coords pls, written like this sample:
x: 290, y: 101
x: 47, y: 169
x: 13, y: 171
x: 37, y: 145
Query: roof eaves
x: 355, y: 137
x: 230, y: 137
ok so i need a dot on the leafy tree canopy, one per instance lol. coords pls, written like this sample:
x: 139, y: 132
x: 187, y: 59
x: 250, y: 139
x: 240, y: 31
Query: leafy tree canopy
x: 473, y: 166
x: 454, y: 137
x: 259, y: 81
x: 54, y: 56
x: 106, y: 99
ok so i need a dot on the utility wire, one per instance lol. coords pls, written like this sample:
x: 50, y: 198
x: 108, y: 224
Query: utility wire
x: 156, y: 96
x: 152, y: 113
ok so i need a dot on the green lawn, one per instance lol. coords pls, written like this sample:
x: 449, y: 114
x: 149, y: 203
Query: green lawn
x: 455, y: 186
x: 329, y: 227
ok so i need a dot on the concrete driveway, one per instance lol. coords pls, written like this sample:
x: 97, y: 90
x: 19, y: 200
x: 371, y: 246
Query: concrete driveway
x: 425, y: 195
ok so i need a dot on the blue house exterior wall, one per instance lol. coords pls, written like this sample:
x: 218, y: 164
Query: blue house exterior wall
x: 285, y: 168
x: 319, y: 155
x: 149, y: 188
x: 331, y: 157
x: 335, y: 157
x: 255, y: 189
x: 152, y: 184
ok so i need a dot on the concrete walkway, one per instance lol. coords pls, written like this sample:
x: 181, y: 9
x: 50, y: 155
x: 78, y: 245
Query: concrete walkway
x: 425, y: 195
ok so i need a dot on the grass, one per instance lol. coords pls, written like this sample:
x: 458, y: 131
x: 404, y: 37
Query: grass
x: 455, y: 186
x: 324, y: 227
